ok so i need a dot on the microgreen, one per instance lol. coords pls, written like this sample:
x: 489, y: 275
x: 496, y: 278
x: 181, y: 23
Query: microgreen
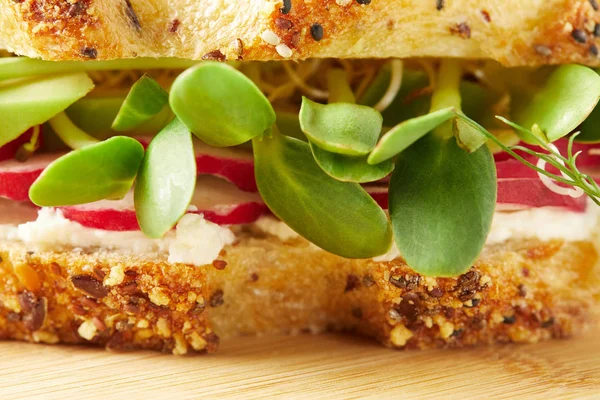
x: 289, y: 124
x: 341, y: 128
x: 339, y: 217
x: 339, y: 88
x: 69, y: 133
x: 442, y: 201
x: 145, y: 100
x: 350, y: 168
x: 590, y: 128
x: 467, y: 137
x: 561, y: 104
x: 220, y: 105
x: 18, y: 67
x: 95, y: 114
x: 406, y: 133
x: 412, y: 100
x: 567, y: 166
x: 104, y: 170
x: 28, y: 102
x: 166, y: 180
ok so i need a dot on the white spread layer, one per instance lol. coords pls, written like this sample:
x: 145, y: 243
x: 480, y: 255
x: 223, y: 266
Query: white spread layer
x: 544, y: 223
x: 196, y: 241
x: 199, y: 242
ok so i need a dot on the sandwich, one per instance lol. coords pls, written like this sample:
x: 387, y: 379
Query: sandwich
x: 417, y: 172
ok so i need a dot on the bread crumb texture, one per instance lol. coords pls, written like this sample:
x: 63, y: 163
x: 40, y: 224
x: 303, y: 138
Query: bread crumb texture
x: 518, y: 291
x: 513, y: 32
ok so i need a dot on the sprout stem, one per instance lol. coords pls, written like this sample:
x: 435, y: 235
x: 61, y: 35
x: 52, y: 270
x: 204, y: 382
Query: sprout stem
x: 447, y: 93
x: 69, y: 133
x: 339, y: 87
x: 19, y: 67
x: 390, y: 94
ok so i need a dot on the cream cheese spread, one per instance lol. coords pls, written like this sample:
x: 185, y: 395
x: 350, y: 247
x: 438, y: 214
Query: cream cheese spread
x: 195, y: 241
x: 199, y: 242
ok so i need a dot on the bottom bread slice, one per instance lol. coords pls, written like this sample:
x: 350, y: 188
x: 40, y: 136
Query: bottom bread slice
x: 519, y: 291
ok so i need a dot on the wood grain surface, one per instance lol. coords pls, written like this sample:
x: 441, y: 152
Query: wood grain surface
x: 324, y: 366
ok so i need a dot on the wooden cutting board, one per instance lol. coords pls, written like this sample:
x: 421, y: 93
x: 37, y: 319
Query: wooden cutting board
x: 325, y: 366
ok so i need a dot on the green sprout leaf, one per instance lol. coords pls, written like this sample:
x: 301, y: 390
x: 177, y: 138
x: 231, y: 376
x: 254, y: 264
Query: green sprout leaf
x: 468, y: 137
x: 442, y: 201
x: 564, y: 101
x: 349, y: 168
x: 590, y: 128
x: 28, y: 102
x: 220, y: 105
x: 18, y: 67
x: 96, y: 114
x: 145, y: 100
x: 166, y: 180
x: 105, y: 170
x: 289, y: 124
x: 400, y: 137
x: 339, y: 217
x: 341, y: 128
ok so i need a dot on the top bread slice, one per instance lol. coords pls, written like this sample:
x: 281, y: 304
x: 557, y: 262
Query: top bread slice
x: 513, y: 32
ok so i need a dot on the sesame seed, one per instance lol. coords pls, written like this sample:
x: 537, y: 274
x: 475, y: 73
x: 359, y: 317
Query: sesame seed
x: 364, y: 2
x: 542, y: 50
x: 316, y: 31
x: 287, y: 7
x: 597, y: 30
x: 568, y: 27
x: 270, y: 37
x: 579, y: 35
x: 594, y: 4
x: 343, y: 3
x: 439, y: 4
x: 283, y: 50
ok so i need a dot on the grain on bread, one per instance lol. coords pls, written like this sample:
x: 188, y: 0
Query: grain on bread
x: 518, y: 291
x: 513, y: 32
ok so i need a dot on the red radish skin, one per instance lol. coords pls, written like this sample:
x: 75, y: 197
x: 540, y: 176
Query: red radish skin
x: 219, y: 201
x: 587, y: 159
x: 523, y: 193
x: 9, y: 150
x: 232, y: 164
x: 16, y: 177
x: 238, y: 172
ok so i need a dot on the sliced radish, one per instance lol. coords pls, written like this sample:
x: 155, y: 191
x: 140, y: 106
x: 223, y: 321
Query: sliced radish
x: 379, y: 194
x: 232, y: 164
x: 17, y: 177
x: 220, y: 202
x: 15, y: 213
x: 589, y: 158
x: 512, y: 168
x: 9, y: 150
x: 522, y: 192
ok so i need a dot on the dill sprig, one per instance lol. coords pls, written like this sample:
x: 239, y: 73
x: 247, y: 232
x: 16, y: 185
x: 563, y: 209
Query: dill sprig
x: 567, y: 165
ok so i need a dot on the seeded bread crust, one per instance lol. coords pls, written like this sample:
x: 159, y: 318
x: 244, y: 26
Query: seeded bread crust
x: 519, y: 291
x: 514, y: 32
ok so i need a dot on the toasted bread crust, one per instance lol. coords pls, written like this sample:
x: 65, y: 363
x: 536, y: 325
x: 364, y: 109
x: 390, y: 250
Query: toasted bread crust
x: 512, y: 32
x: 521, y: 291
